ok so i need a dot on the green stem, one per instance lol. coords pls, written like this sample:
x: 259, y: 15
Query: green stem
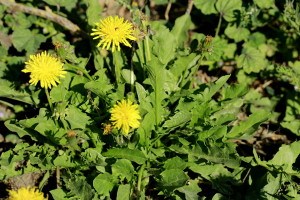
x: 131, y: 78
x: 148, y: 55
x: 83, y: 71
x: 219, y: 25
x: 117, y: 65
x: 195, y: 70
x: 49, y: 100
x: 140, y: 177
x: 58, y: 183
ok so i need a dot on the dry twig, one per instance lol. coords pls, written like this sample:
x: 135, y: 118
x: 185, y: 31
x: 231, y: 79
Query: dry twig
x: 189, y: 7
x: 168, y: 10
x: 73, y: 28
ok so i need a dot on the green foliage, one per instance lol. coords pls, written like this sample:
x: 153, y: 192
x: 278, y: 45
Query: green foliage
x: 212, y: 107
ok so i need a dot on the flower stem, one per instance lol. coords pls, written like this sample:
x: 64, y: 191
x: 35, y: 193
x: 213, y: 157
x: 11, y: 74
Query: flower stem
x: 117, y: 65
x: 49, y: 100
x: 196, y: 68
x: 58, y: 177
x: 219, y: 25
x: 140, y: 177
x: 148, y: 55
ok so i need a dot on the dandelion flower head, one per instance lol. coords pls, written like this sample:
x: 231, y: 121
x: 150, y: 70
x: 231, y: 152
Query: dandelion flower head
x: 26, y: 194
x: 112, y: 32
x: 44, y: 68
x: 125, y: 115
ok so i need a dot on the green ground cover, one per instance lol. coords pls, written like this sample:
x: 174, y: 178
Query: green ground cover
x: 159, y: 99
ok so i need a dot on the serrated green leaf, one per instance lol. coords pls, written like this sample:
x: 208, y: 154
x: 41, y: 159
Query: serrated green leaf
x: 175, y: 163
x: 206, y: 7
x: 210, y: 171
x: 249, y: 124
x: 227, y: 7
x: 180, y: 29
x: 68, y: 4
x: 251, y: 60
x: 7, y: 91
x: 234, y: 91
x: 293, y: 126
x: 134, y: 155
x: 191, y: 190
x: 123, y: 168
x: 214, y: 88
x: 225, y: 155
x: 93, y: 12
x: 218, y: 47
x: 93, y: 155
x: 128, y: 76
x: 156, y: 73
x: 256, y: 39
x: 80, y: 189
x: 164, y: 45
x: 63, y: 160
x: 76, y: 118
x: 101, y: 85
x: 214, y: 133
x: 24, y: 39
x: 272, y: 187
x: 237, y: 33
x: 104, y: 183
x: 286, y: 157
x: 173, y: 178
x: 265, y: 3
x: 183, y: 63
x: 14, y: 127
x: 58, y: 194
x: 18, y: 20
x: 180, y: 118
x: 123, y: 192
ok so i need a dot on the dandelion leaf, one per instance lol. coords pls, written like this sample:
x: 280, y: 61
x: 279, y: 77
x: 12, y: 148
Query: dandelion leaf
x: 173, y: 178
x: 164, y: 45
x: 190, y: 190
x: 156, y: 76
x: 123, y: 192
x: 58, y: 194
x: 133, y: 155
x: 123, y: 169
x: 76, y: 118
x: 248, y: 126
x: 93, y: 11
x: 104, y: 183
x: 286, y: 157
x: 181, y: 27
x: 180, y: 118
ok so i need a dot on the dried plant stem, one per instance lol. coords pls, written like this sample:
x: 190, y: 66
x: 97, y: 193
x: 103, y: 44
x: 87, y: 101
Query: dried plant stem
x: 168, y: 10
x: 189, y: 7
x: 58, y: 184
x: 41, y: 13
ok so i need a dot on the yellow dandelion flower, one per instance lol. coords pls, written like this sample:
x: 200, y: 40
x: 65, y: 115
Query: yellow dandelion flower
x: 26, y: 194
x: 44, y: 68
x: 125, y: 115
x: 112, y: 31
